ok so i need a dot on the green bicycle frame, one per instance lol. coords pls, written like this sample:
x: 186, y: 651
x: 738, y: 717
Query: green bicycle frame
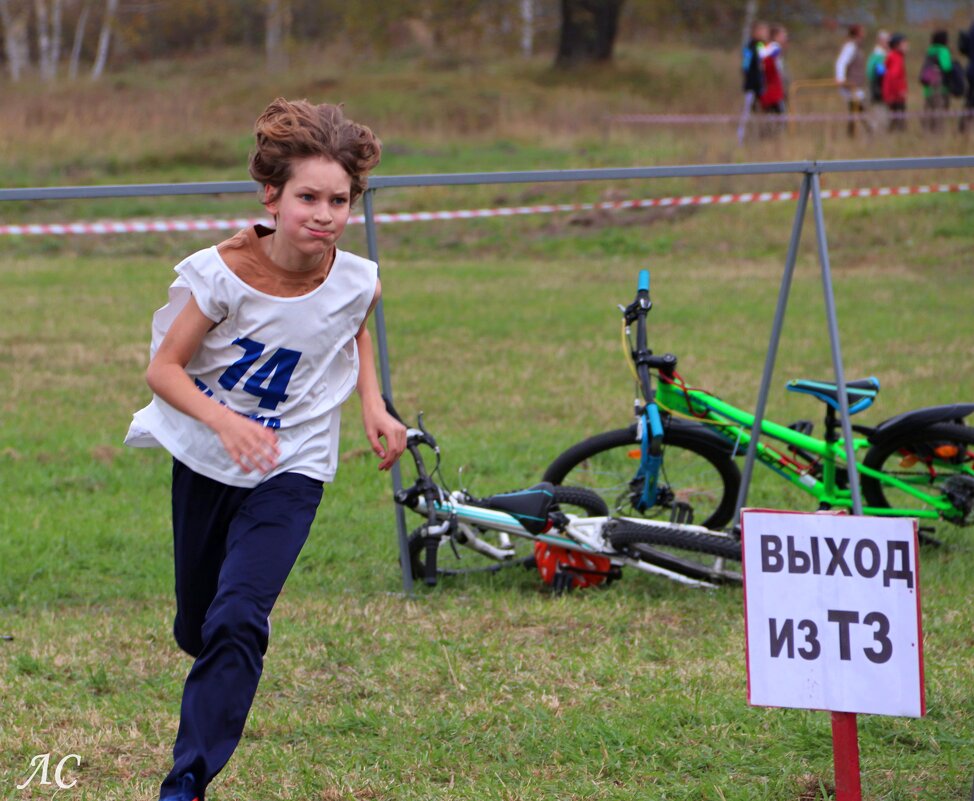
x: 735, y: 425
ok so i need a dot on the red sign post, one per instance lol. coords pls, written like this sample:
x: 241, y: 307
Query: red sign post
x: 845, y: 755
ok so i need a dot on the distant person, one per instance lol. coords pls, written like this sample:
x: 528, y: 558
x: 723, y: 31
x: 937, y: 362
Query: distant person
x: 850, y: 74
x: 773, y: 63
x: 966, y: 48
x: 934, y: 77
x: 895, y: 84
x: 876, y: 66
x: 753, y: 74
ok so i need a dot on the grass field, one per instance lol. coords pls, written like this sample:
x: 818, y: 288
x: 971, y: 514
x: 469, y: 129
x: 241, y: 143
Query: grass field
x: 506, y: 334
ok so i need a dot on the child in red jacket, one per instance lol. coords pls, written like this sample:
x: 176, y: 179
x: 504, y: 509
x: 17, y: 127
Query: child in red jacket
x: 772, y: 62
x: 895, y: 83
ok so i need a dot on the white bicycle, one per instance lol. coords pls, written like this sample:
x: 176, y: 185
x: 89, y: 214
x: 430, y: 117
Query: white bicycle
x: 564, y: 532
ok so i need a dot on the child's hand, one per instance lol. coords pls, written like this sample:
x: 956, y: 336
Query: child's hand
x: 251, y: 445
x: 379, y: 425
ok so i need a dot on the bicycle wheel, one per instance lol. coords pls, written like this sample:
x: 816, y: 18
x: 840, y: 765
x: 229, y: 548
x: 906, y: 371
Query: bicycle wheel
x: 581, y: 501
x: 938, y: 460
x: 695, y: 554
x: 696, y: 472
x: 453, y: 558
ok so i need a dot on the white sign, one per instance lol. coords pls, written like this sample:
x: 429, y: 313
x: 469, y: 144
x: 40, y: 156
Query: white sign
x: 832, y: 612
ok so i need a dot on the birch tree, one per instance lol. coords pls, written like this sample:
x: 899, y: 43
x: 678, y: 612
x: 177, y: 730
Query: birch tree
x: 15, y: 16
x: 527, y: 28
x: 277, y: 29
x: 104, y: 39
x: 79, y: 38
x: 47, y: 22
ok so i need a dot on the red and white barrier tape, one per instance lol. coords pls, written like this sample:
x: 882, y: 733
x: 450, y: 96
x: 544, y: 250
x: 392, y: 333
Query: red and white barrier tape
x: 177, y: 225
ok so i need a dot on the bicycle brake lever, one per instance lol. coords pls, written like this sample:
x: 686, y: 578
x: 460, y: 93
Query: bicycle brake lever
x: 428, y: 438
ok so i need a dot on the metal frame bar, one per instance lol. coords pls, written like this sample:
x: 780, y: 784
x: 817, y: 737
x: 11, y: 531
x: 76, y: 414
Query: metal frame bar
x: 810, y: 170
x: 776, y: 327
x: 833, y: 325
x: 385, y: 372
x: 530, y: 176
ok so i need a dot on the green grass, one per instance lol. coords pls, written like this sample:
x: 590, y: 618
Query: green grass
x: 506, y: 333
x: 487, y: 687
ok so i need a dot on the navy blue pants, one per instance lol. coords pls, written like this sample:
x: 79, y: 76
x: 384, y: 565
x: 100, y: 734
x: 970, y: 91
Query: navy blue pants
x: 234, y: 548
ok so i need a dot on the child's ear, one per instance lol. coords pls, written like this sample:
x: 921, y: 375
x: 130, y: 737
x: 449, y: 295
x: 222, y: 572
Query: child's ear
x: 271, y: 195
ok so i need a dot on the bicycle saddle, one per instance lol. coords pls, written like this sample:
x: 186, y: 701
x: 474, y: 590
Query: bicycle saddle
x: 530, y: 506
x: 859, y: 394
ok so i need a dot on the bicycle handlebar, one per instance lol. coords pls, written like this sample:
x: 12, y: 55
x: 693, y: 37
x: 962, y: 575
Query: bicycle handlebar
x: 642, y: 356
x: 643, y: 281
x: 424, y: 485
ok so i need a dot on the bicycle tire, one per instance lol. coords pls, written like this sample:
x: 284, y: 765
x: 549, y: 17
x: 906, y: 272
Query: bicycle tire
x: 688, y: 553
x: 587, y: 500
x: 566, y: 499
x: 912, y: 456
x: 695, y: 471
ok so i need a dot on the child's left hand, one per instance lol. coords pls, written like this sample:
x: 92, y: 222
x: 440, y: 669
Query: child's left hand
x: 380, y: 425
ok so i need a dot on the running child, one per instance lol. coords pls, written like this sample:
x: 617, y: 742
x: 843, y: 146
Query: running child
x: 262, y: 340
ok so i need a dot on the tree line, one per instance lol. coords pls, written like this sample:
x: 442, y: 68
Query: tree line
x: 57, y: 39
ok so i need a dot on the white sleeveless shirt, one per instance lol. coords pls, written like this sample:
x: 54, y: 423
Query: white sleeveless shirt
x: 288, y: 362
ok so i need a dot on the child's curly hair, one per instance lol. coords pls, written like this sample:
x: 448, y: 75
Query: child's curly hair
x: 294, y: 130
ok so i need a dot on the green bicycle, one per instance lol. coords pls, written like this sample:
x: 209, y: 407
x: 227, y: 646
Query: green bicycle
x: 916, y: 464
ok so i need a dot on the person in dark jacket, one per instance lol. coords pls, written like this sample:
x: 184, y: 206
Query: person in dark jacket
x: 968, y: 51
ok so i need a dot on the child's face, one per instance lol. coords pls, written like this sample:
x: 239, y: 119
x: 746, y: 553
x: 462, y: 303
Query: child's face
x: 311, y: 210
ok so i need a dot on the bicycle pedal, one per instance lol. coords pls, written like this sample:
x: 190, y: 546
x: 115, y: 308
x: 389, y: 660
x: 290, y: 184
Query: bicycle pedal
x: 563, y: 582
x: 681, y: 513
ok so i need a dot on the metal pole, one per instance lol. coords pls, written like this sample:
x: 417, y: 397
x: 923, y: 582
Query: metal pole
x: 823, y: 257
x: 386, y: 377
x: 776, y: 326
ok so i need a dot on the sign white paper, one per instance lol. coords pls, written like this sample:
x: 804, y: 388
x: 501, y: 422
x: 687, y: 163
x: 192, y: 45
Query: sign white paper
x: 832, y: 612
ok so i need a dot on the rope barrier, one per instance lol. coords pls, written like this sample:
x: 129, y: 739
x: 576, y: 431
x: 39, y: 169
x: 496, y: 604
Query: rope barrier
x: 235, y: 224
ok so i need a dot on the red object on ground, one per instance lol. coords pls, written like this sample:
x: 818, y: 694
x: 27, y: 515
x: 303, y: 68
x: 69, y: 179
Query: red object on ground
x: 585, y: 570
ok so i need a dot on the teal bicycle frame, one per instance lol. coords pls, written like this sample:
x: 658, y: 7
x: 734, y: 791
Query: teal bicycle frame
x: 735, y: 425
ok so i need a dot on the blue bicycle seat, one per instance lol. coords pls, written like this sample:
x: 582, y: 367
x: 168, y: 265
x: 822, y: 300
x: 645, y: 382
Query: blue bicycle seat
x: 859, y: 394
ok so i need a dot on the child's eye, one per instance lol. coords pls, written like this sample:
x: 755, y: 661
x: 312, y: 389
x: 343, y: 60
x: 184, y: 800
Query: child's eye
x: 340, y: 201
x: 307, y: 197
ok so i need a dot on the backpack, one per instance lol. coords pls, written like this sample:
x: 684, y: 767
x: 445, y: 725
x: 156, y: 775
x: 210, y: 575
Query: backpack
x: 931, y: 75
x: 955, y: 79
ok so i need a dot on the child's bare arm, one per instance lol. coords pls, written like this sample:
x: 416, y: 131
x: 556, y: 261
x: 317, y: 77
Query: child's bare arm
x: 379, y: 424
x: 250, y: 445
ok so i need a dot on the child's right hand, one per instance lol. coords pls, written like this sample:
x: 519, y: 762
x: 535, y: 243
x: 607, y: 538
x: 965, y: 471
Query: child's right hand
x: 251, y: 445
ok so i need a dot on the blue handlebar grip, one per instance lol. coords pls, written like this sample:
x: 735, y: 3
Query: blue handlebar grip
x: 643, y: 285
